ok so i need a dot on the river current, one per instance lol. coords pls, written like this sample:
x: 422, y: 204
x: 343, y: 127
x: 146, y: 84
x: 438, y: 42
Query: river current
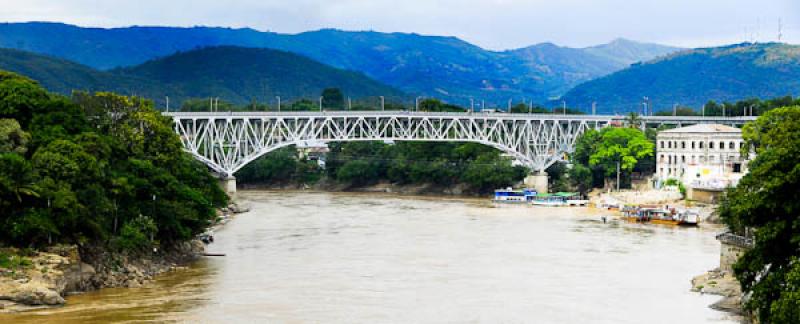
x: 301, y: 257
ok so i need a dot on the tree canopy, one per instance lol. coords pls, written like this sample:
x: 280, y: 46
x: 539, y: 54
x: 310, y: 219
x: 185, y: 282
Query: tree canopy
x: 767, y: 201
x: 79, y: 170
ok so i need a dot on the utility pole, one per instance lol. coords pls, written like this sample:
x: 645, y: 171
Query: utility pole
x: 594, y: 107
x: 509, y: 105
x: 320, y: 103
x: 416, y: 103
x: 564, y: 104
x: 704, y: 110
x: 530, y: 107
x: 279, y: 103
x: 483, y: 105
x: 617, y: 176
x: 780, y: 30
x: 382, y: 104
x: 471, y: 105
x: 211, y: 104
x: 675, y: 110
x: 349, y: 104
x: 167, y: 103
x: 723, y: 110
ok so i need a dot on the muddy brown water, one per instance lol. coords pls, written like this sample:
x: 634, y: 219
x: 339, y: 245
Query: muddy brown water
x: 301, y: 257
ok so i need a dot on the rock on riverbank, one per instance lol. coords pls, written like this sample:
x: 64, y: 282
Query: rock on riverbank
x: 63, y: 269
x: 721, y: 283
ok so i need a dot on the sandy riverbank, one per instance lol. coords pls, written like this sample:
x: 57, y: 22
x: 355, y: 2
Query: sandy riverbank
x: 51, y: 274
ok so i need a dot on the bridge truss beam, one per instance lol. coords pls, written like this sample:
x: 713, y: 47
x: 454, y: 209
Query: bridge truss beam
x: 226, y: 142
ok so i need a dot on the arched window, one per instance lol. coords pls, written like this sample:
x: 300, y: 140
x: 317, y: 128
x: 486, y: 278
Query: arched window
x: 683, y: 158
x: 662, y: 144
x: 710, y: 145
x: 701, y: 145
x: 669, y: 144
x: 731, y: 146
x: 721, y: 146
x: 683, y: 144
x: 693, y: 145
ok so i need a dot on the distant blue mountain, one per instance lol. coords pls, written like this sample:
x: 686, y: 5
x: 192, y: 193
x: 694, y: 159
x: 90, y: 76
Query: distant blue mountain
x: 443, y: 67
x: 693, y: 77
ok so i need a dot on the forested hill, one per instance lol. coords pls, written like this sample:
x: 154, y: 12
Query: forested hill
x: 237, y: 75
x: 62, y: 76
x: 244, y: 74
x: 443, y: 67
x: 693, y: 77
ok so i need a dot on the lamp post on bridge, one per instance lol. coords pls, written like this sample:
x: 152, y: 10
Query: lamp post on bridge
x: 471, y: 105
x: 279, y: 103
x: 416, y: 103
x: 320, y: 103
x: 383, y: 108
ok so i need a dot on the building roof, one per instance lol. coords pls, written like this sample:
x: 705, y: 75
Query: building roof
x: 704, y: 128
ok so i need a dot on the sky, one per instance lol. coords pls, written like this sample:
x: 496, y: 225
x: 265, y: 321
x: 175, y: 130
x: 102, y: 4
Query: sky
x: 492, y: 24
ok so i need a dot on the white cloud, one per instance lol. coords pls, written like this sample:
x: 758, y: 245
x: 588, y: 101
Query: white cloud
x: 495, y: 24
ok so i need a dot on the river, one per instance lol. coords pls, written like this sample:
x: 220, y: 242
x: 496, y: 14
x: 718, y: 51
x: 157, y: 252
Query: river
x: 301, y: 257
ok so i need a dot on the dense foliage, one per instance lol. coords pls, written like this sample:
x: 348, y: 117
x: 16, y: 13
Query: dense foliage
x: 479, y: 167
x: 691, y: 78
x: 767, y: 203
x: 97, y: 168
x: 602, y: 151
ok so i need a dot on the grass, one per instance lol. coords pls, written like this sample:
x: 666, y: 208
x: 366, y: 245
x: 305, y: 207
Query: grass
x: 12, y: 261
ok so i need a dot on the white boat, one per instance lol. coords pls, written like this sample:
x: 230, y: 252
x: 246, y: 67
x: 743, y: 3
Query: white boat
x: 559, y: 199
x: 512, y: 196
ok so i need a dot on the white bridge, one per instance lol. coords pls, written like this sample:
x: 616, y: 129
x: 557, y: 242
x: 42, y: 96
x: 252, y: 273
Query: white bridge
x: 227, y: 141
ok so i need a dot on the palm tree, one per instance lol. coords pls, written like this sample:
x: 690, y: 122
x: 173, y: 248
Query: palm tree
x: 633, y: 120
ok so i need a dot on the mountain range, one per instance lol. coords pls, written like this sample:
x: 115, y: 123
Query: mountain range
x: 443, y: 67
x: 693, y: 77
x: 236, y: 74
x: 241, y: 65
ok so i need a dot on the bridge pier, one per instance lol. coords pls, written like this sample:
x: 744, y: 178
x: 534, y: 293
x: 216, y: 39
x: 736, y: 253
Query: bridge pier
x: 537, y: 181
x: 228, y: 183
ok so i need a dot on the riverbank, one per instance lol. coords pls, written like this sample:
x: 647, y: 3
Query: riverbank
x: 325, y: 185
x: 45, y: 277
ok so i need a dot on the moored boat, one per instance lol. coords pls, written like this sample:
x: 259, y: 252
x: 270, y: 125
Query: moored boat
x: 559, y: 199
x: 513, y: 196
x: 660, y: 215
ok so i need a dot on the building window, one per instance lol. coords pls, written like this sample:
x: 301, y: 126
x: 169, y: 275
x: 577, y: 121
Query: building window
x: 669, y: 144
x: 693, y: 145
x: 721, y: 146
x: 737, y: 168
x: 710, y: 145
x: 731, y: 146
x: 683, y: 145
x: 662, y: 144
x: 683, y: 158
x: 701, y: 145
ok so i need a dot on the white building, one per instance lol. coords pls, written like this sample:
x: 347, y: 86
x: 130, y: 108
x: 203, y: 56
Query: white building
x: 704, y: 155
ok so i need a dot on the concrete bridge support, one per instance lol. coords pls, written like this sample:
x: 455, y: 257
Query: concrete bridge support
x: 537, y: 181
x: 228, y: 183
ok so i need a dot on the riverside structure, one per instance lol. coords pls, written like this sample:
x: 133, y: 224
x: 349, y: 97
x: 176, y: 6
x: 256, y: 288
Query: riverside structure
x: 227, y: 141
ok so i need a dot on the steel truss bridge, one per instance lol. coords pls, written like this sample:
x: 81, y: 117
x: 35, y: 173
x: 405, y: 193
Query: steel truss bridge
x: 227, y: 141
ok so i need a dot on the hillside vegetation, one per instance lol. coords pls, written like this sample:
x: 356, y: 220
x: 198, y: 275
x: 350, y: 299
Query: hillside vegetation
x: 692, y: 77
x: 235, y: 74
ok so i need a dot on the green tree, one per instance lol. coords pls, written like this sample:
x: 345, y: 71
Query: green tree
x: 767, y: 201
x: 580, y: 178
x: 620, y: 148
x: 12, y: 138
x: 332, y: 98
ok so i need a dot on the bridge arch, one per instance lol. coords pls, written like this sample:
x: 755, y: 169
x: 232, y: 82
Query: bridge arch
x: 226, y: 142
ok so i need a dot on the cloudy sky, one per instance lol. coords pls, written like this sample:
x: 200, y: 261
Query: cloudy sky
x: 493, y: 24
